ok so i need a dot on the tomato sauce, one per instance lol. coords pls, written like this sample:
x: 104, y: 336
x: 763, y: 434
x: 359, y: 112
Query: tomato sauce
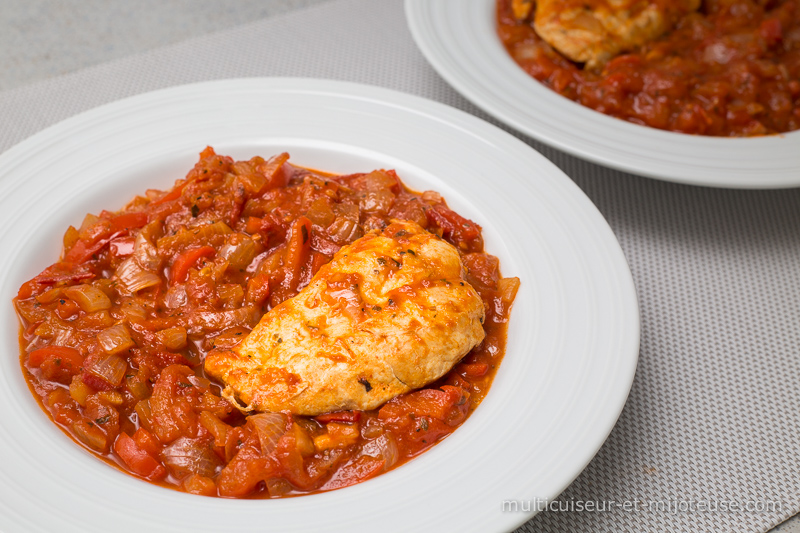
x: 730, y: 69
x: 114, y: 334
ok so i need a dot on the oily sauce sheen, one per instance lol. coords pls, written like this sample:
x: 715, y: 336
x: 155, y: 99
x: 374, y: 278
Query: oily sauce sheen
x: 730, y: 69
x: 114, y: 334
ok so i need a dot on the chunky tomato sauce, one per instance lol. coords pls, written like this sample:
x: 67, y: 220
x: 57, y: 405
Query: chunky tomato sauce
x: 731, y: 69
x: 114, y: 334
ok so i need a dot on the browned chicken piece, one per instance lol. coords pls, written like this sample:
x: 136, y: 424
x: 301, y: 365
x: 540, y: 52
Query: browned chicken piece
x: 594, y: 31
x: 390, y: 313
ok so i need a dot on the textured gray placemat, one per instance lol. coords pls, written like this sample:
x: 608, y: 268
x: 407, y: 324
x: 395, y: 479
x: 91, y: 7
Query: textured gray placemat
x: 713, y: 416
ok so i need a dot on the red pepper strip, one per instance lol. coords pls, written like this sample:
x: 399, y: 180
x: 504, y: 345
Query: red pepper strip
x: 58, y: 278
x: 37, y: 357
x: 53, y: 274
x: 257, y: 288
x: 339, y: 416
x: 128, y: 221
x: 139, y: 461
x: 83, y: 251
x: 297, y: 250
x: 180, y: 267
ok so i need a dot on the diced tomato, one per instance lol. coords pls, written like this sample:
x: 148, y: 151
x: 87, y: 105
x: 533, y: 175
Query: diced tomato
x: 771, y: 31
x: 138, y: 460
x: 66, y: 308
x: 95, y: 382
x: 240, y: 476
x: 147, y: 441
x: 292, y: 465
x: 460, y: 230
x: 474, y: 370
x: 57, y: 363
x: 188, y: 259
x: 63, y: 406
x: 277, y: 171
x: 422, y: 417
x: 253, y: 225
x: 172, y: 404
x: 197, y: 484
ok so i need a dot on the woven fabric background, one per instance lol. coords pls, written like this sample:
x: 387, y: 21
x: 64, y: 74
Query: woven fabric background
x: 714, y: 412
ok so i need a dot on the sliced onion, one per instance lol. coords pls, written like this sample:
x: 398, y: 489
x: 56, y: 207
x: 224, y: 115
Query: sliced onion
x: 88, y: 221
x: 432, y: 197
x: 176, y: 296
x: 71, y: 236
x: 204, y: 322
x: 62, y: 335
x: 111, y: 368
x: 215, y: 426
x: 377, y: 202
x: 31, y: 311
x: 172, y: 244
x: 79, y: 391
x: 374, y: 181
x: 232, y: 294
x: 88, y: 297
x: 187, y: 456
x: 133, y: 311
x: 240, y: 251
x: 383, y: 447
x: 144, y: 413
x: 115, y: 339
x: 146, y: 254
x: 343, y: 229
x: 173, y: 338
x: 50, y: 295
x: 134, y: 277
x: 270, y: 427
x: 277, y: 486
x: 138, y: 385
x: 508, y: 287
x: 320, y: 212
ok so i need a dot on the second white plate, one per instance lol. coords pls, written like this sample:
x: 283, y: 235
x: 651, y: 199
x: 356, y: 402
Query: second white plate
x: 459, y: 39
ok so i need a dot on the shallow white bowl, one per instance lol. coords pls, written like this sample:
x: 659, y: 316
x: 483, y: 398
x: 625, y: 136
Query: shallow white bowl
x: 572, y: 343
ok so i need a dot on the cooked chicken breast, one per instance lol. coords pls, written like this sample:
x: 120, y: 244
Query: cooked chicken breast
x: 390, y: 313
x: 594, y: 31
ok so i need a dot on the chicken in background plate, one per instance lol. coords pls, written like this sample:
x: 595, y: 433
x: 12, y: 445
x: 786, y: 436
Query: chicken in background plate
x: 594, y: 31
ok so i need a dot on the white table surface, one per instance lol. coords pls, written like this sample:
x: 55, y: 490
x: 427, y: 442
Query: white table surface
x: 41, y: 39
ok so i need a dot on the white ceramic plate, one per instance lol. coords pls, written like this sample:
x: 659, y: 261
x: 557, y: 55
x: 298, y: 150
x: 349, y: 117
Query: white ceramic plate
x: 458, y: 38
x: 573, y: 337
